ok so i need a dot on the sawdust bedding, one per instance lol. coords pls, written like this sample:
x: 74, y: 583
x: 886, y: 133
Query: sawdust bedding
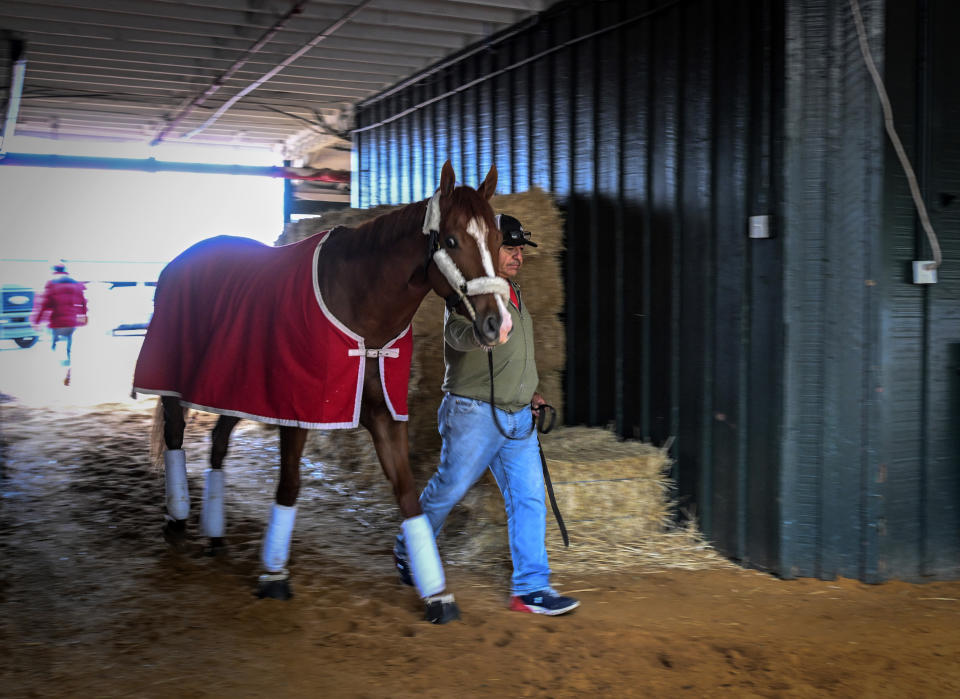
x: 93, y: 603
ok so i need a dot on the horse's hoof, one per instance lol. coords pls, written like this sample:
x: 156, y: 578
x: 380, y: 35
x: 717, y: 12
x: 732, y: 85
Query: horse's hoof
x: 175, y: 532
x: 441, y: 609
x: 216, y: 547
x: 274, y: 586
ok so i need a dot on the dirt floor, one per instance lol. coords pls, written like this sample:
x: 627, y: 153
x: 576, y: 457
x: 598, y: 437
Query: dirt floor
x: 94, y: 603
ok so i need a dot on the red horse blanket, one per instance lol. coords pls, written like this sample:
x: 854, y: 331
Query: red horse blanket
x: 240, y: 328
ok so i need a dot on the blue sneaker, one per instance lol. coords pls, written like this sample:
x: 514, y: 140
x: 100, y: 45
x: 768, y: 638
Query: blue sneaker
x: 403, y: 570
x: 543, y: 602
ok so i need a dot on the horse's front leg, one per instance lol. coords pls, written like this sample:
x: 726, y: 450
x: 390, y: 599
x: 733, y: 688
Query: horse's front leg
x: 391, y: 442
x: 275, y: 581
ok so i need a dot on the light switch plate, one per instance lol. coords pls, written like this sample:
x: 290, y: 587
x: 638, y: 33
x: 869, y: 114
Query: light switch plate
x: 921, y: 275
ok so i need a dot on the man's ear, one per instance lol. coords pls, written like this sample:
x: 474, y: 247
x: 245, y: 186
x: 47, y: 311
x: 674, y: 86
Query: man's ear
x: 448, y: 179
x: 489, y: 184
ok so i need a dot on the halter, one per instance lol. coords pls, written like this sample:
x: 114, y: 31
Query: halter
x: 462, y: 288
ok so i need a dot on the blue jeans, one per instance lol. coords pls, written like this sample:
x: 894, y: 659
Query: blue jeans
x: 66, y: 334
x: 471, y: 444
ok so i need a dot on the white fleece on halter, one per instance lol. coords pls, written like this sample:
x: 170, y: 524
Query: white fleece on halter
x: 480, y: 285
x: 431, y: 222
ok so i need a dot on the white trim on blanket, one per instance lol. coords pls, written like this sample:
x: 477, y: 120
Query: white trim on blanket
x: 323, y: 306
x: 250, y: 416
x: 383, y: 379
x: 343, y: 328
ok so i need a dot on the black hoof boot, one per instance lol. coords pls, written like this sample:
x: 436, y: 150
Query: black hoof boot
x: 216, y: 547
x: 441, y: 609
x: 175, y: 532
x: 274, y: 586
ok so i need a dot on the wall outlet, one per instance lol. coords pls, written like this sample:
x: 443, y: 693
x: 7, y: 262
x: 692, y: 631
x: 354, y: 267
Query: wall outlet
x: 921, y: 275
x: 759, y: 226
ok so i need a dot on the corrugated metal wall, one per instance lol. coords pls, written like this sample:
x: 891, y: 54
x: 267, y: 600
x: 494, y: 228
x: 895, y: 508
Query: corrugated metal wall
x: 919, y: 507
x: 870, y: 478
x: 661, y: 127
x: 832, y: 287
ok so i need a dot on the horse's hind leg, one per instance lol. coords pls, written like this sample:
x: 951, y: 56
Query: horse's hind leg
x: 275, y: 582
x: 212, y: 518
x: 175, y: 472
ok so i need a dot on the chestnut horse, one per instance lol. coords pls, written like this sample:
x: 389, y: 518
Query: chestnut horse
x: 322, y: 341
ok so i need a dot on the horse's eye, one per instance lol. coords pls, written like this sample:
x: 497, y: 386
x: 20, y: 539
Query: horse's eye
x: 451, y: 242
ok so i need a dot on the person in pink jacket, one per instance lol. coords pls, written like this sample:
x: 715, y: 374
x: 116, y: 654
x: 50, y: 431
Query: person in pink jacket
x: 63, y: 308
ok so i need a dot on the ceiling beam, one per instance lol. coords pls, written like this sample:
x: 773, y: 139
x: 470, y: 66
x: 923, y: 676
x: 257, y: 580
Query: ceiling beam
x: 177, y: 88
x: 144, y: 71
x: 525, y: 5
x: 442, y: 16
x: 52, y: 54
x: 434, y: 31
x: 377, y: 44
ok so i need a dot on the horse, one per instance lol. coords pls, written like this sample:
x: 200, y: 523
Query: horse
x: 316, y: 335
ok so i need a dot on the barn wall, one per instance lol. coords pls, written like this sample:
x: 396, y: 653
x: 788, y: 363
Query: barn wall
x: 833, y: 168
x: 786, y: 369
x: 919, y: 515
x: 870, y: 482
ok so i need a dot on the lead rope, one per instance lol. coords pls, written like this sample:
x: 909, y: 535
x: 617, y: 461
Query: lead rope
x: 544, y: 428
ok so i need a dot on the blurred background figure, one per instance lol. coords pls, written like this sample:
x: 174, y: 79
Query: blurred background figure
x: 63, y: 308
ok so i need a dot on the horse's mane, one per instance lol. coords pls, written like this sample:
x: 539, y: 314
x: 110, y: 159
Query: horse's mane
x: 381, y: 232
x: 389, y: 228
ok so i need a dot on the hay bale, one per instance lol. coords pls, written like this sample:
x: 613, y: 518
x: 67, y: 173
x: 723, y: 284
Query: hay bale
x: 614, y: 498
x: 606, y: 489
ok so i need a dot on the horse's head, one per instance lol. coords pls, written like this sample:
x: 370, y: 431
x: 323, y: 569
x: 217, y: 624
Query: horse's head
x: 464, y: 244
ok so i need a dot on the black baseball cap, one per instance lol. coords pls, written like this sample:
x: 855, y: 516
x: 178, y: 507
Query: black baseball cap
x: 513, y: 232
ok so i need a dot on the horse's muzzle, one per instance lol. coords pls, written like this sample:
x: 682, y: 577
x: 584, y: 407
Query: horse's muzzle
x: 488, y: 328
x: 493, y: 328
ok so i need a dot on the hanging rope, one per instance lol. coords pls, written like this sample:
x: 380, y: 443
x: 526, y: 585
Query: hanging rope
x: 894, y: 138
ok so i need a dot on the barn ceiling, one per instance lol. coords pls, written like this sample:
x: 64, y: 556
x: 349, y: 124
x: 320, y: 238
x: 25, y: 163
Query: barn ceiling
x: 282, y: 74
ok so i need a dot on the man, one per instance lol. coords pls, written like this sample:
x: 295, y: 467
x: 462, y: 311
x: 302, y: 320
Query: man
x: 472, y: 442
x: 64, y: 307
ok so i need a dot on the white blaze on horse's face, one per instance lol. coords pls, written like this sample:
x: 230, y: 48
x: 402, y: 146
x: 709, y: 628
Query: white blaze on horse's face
x: 478, y: 231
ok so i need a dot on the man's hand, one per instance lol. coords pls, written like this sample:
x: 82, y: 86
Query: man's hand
x: 535, y: 404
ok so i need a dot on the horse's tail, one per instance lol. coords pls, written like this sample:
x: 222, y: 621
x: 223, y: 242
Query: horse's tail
x: 157, y: 444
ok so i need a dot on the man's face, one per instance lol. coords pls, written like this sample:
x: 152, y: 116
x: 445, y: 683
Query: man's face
x: 511, y: 259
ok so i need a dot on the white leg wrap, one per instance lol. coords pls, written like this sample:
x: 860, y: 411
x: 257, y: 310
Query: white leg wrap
x: 212, y: 522
x: 276, y: 542
x: 422, y: 553
x: 175, y: 472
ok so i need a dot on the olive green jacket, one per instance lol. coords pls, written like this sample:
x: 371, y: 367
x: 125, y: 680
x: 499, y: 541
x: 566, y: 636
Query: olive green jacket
x: 514, y: 366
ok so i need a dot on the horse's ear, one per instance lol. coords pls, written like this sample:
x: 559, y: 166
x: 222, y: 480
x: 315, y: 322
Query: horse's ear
x: 448, y: 179
x: 489, y: 185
